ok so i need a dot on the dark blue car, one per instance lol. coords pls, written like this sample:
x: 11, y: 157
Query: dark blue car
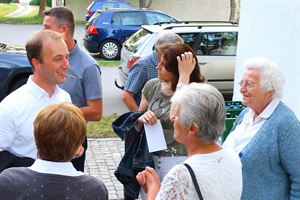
x: 105, y: 5
x: 107, y: 30
x: 14, y: 68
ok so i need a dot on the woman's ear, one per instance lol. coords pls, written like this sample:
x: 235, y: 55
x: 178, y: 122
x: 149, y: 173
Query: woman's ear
x: 79, y: 151
x: 194, y: 130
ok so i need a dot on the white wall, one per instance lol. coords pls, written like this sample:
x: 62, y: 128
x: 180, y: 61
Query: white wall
x: 271, y: 28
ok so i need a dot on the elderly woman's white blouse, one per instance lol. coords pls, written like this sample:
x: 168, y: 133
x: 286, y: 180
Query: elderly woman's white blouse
x: 219, y: 177
x: 246, y: 130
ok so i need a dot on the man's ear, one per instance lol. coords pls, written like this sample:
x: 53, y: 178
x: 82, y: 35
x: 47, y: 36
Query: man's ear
x: 64, y: 28
x: 35, y: 63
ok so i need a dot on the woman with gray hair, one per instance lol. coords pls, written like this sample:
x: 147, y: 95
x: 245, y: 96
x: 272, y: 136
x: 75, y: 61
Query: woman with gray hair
x: 266, y: 135
x: 198, y: 115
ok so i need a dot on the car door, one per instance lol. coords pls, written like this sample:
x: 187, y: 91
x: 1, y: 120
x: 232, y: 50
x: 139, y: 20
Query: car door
x: 126, y: 23
x: 216, y: 54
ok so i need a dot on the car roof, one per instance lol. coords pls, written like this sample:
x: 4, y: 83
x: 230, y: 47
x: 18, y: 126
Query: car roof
x: 215, y: 26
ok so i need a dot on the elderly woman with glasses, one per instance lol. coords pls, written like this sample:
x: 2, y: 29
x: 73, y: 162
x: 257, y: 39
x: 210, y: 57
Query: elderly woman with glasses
x: 266, y: 135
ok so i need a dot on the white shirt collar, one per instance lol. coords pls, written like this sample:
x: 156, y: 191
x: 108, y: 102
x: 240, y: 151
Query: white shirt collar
x: 38, y: 91
x: 59, y: 168
x: 267, y: 112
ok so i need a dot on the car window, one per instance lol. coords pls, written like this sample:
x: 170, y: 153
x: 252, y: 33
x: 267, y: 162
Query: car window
x: 97, y: 6
x: 123, y: 5
x: 108, y: 5
x: 218, y: 44
x: 154, y: 17
x: 136, y: 40
x: 127, y: 19
x: 189, y: 38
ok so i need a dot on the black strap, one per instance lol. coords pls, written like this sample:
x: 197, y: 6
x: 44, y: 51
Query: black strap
x: 194, y: 181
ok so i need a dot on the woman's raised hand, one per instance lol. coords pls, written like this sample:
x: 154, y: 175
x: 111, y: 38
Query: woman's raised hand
x: 186, y: 64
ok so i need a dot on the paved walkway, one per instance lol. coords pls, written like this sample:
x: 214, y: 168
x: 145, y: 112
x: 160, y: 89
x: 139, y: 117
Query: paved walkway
x: 102, y: 158
x: 23, y: 9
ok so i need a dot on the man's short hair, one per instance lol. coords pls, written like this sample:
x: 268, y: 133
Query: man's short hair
x: 63, y: 16
x: 34, y: 46
x: 59, y: 130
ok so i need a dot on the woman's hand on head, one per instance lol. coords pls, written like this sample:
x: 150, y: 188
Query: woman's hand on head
x: 148, y: 117
x: 186, y: 64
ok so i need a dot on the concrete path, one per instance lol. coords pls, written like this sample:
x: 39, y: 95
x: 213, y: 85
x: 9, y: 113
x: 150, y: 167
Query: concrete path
x: 23, y: 9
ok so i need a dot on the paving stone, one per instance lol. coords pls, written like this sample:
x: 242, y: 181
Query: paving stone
x: 102, y: 158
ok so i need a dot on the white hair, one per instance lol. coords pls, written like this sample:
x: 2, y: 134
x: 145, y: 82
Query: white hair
x: 203, y: 105
x: 271, y: 76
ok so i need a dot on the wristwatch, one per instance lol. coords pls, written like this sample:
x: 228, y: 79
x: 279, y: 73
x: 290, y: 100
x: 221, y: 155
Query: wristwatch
x: 180, y: 85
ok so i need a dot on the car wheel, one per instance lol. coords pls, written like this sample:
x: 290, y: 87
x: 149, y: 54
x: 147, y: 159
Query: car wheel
x: 110, y: 50
x: 18, y: 83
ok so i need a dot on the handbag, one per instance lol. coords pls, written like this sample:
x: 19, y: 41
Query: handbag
x: 194, y: 180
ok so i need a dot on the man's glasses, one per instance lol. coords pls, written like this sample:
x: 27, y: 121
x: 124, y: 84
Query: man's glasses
x: 247, y: 84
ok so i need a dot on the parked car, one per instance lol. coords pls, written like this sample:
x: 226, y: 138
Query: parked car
x: 107, y: 30
x: 14, y: 68
x: 214, y: 43
x: 105, y: 5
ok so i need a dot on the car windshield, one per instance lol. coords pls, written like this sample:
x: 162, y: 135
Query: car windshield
x: 136, y: 40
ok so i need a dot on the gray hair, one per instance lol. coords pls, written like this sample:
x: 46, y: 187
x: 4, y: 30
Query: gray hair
x: 203, y: 105
x: 168, y: 38
x: 271, y: 76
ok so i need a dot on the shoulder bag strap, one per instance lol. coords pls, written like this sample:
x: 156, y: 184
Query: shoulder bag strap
x: 194, y: 181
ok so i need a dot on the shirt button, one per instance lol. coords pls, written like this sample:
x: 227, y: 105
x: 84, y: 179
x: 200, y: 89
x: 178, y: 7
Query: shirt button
x: 240, y: 155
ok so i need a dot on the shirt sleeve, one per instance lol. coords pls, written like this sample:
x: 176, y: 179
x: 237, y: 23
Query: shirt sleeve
x: 176, y: 184
x: 92, y: 83
x: 7, y: 127
x: 136, y: 78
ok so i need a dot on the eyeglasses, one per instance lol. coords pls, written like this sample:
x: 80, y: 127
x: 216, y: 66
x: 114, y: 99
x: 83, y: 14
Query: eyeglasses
x: 247, y: 84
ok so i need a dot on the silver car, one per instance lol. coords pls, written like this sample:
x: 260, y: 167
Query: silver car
x: 214, y: 43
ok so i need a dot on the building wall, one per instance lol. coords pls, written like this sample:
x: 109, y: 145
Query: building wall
x: 264, y: 31
x: 196, y: 10
x: 199, y: 10
x: 78, y: 7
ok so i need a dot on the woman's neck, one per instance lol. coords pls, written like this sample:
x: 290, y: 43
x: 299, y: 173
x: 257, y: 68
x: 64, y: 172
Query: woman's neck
x: 198, y: 147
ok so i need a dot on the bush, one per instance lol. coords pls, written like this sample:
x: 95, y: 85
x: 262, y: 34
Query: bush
x: 7, y: 1
x: 37, y: 3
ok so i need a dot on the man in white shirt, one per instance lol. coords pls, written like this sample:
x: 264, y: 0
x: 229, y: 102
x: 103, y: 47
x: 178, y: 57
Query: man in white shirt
x: 48, y: 55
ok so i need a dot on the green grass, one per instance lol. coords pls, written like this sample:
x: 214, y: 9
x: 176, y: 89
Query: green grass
x: 109, y: 63
x: 103, y: 128
x: 6, y: 9
x: 31, y: 18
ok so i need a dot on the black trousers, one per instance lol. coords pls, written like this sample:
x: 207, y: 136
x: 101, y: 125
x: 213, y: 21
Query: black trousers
x: 78, y: 163
x: 8, y: 160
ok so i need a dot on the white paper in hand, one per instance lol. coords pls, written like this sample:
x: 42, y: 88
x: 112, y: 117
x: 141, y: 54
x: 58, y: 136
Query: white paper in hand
x: 155, y: 137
